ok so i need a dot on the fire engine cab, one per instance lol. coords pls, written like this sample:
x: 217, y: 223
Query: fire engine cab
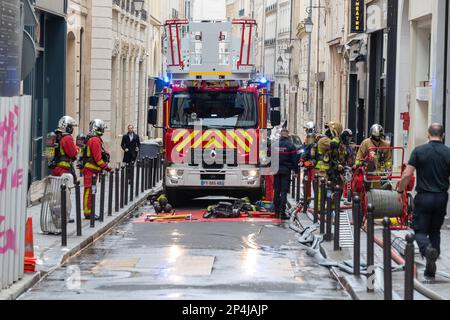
x: 215, y: 110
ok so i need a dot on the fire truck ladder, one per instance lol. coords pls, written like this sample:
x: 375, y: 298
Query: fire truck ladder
x: 210, y: 50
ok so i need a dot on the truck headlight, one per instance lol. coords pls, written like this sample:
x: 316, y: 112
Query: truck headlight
x: 174, y: 173
x: 250, y: 173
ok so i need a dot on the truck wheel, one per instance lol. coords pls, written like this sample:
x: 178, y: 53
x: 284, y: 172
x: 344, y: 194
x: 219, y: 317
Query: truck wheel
x: 176, y: 199
x: 256, y: 195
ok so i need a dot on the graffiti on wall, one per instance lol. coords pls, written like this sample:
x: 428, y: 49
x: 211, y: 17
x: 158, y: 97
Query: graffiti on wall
x: 8, y: 136
x: 8, y: 237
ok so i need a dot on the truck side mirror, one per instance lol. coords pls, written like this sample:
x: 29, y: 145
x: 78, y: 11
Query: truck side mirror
x: 275, y: 102
x: 275, y: 118
x: 153, y: 101
x: 152, y: 116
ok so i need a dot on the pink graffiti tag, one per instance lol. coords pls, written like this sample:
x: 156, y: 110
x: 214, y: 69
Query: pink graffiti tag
x: 9, y: 127
x: 10, y: 237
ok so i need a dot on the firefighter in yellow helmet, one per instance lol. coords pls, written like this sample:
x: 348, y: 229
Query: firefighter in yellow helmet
x: 378, y: 161
x: 328, y: 150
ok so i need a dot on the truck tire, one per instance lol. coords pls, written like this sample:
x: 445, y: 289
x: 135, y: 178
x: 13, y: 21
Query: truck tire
x: 256, y: 195
x: 176, y: 199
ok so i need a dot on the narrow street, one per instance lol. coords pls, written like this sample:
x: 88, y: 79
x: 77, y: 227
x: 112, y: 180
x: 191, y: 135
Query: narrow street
x: 204, y: 260
x: 313, y: 137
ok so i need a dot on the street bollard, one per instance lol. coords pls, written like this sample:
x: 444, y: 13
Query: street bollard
x: 387, y: 265
x: 78, y: 207
x: 305, y: 191
x: 144, y: 175
x: 356, y: 207
x: 116, y: 191
x: 297, y: 196
x: 122, y: 186
x: 409, y: 267
x: 147, y: 173
x: 110, y: 192
x: 138, y: 172
x: 293, y: 180
x: 102, y: 197
x: 152, y: 173
x: 93, y: 193
x: 337, y: 216
x: 323, y: 198
x: 316, y: 198
x: 328, y: 235
x: 126, y: 184
x: 132, y: 182
x: 370, y: 247
x: 161, y: 166
x: 158, y: 167
x: 63, y: 216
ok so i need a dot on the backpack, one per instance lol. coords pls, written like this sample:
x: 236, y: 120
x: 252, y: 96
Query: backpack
x: 52, y: 153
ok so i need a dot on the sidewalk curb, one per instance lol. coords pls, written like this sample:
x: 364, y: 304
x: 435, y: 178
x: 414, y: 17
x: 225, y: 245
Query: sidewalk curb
x: 30, y: 280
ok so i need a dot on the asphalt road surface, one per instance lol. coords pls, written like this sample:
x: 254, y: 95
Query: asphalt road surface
x: 197, y: 260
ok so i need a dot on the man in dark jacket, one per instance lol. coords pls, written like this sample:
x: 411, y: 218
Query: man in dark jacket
x: 131, y: 145
x: 287, y: 153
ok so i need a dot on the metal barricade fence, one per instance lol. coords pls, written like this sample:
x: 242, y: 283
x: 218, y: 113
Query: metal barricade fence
x: 51, y: 204
x: 15, y: 120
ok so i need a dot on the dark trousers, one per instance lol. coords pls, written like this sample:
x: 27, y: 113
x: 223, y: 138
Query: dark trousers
x: 430, y: 210
x: 281, y: 190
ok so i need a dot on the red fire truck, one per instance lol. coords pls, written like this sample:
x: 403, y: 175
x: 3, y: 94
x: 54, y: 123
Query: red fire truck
x: 215, y: 111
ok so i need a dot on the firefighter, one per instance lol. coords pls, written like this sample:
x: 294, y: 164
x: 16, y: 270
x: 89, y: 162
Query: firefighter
x: 287, y: 163
x: 66, y: 151
x: 378, y: 161
x: 308, y: 154
x: 95, y: 161
x: 347, y: 159
x: 347, y: 156
x: 328, y: 163
x: 309, y: 149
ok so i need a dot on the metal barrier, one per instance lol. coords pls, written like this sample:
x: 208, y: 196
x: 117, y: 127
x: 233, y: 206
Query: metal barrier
x: 387, y: 262
x: 305, y: 192
x: 78, y: 207
x: 50, y: 217
x: 337, y: 216
x: 356, y: 215
x: 110, y: 192
x: 323, y: 191
x: 122, y: 186
x: 93, y: 194
x: 370, y: 246
x: 102, y: 197
x: 328, y: 235
x: 63, y: 216
x: 316, y: 198
x: 409, y: 267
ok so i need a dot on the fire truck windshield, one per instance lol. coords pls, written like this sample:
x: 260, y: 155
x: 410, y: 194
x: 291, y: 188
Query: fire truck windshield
x: 214, y: 109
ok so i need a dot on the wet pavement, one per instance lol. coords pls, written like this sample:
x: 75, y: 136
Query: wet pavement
x: 238, y: 261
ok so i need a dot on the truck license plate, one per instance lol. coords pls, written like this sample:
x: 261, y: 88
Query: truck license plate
x: 212, y: 183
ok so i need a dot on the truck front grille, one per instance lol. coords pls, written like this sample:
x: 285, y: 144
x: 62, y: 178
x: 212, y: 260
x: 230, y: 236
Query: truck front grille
x: 204, y: 157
